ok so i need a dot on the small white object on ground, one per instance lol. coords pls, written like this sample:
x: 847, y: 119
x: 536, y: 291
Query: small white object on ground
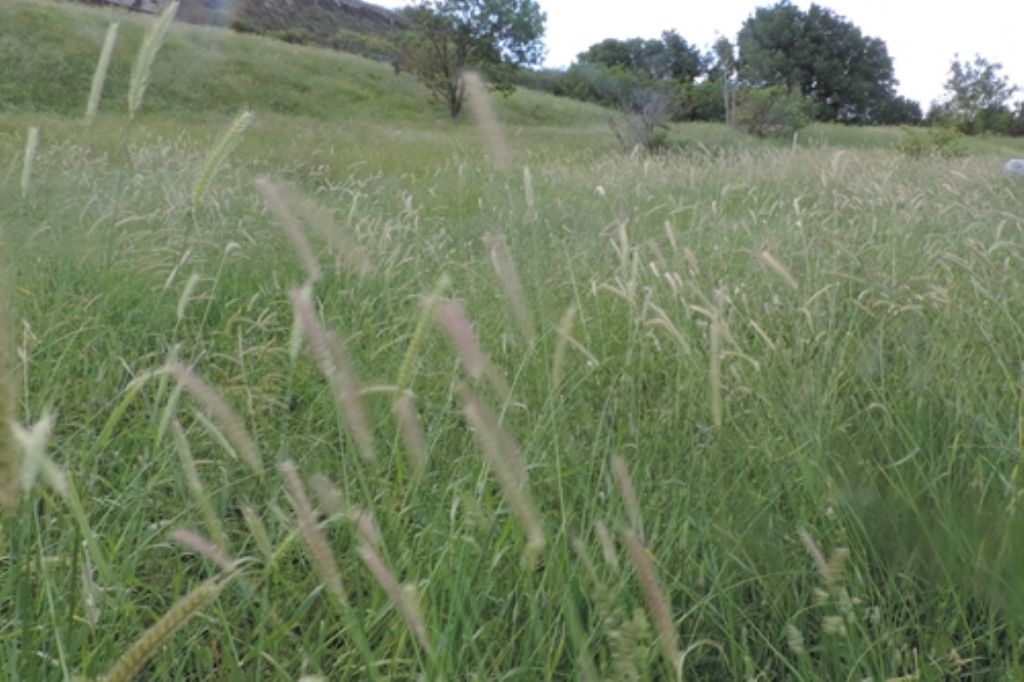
x: 1014, y: 167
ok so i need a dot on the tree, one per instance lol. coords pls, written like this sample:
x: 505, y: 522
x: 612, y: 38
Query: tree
x: 848, y: 76
x: 978, y: 96
x: 449, y: 36
x: 669, y: 58
x: 725, y: 70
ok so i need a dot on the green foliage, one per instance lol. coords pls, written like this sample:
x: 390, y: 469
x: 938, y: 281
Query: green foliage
x: 450, y: 36
x: 943, y: 142
x: 702, y: 101
x: 669, y: 58
x: 854, y: 514
x: 1016, y: 127
x: 597, y: 83
x: 368, y: 45
x: 772, y: 112
x: 848, y: 76
x: 978, y: 98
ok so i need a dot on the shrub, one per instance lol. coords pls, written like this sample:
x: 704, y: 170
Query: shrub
x: 701, y: 102
x: 772, y: 112
x: 644, y: 123
x: 945, y: 142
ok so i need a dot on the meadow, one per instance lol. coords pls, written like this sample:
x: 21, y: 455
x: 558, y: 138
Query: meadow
x: 368, y: 403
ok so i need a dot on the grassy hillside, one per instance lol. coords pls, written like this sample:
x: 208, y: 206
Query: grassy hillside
x: 762, y: 403
x: 48, y: 52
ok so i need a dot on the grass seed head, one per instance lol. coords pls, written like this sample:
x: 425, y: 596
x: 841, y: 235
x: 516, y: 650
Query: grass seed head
x: 222, y: 413
x: 144, y: 58
x: 657, y: 605
x: 132, y: 660
x: 311, y: 533
x: 99, y: 76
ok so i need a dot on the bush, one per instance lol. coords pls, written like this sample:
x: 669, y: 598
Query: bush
x: 945, y: 142
x: 543, y: 80
x: 596, y: 83
x: 772, y: 111
x: 701, y: 101
x: 644, y: 121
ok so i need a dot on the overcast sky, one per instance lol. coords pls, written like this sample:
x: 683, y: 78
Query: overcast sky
x: 922, y: 35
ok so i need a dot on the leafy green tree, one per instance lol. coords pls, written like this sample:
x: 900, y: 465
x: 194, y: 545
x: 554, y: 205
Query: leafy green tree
x: 449, y: 36
x: 979, y: 96
x: 669, y: 58
x: 848, y: 76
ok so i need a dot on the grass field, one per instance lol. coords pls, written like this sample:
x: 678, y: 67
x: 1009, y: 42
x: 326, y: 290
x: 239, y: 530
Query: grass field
x: 743, y: 411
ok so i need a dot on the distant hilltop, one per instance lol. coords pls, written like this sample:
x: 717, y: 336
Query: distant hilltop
x: 318, y: 21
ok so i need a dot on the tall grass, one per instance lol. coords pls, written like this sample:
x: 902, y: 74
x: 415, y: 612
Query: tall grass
x: 732, y: 413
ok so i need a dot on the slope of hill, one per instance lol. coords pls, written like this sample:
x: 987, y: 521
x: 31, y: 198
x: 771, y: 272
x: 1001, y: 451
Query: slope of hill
x: 206, y: 69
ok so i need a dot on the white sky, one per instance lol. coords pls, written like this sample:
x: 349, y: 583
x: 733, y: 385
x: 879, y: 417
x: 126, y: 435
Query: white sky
x: 922, y: 35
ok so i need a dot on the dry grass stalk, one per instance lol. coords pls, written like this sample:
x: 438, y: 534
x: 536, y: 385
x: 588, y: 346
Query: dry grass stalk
x: 31, y: 145
x: 311, y: 533
x: 430, y: 302
x: 657, y: 605
x: 561, y: 345
x: 528, y: 187
x: 412, y: 434
x: 272, y: 197
x: 258, y: 531
x: 629, y: 499
x: 604, y: 537
x: 366, y: 526
x: 10, y: 456
x: 505, y: 270
x: 160, y: 632
x: 34, y: 459
x: 143, y: 66
x: 330, y: 498
x: 835, y: 566
x: 715, y: 329
x: 346, y: 252
x: 222, y: 413
x: 186, y: 294
x: 812, y: 548
x: 397, y: 595
x: 218, y: 153
x: 778, y: 268
x: 334, y: 363
x: 195, y: 487
x: 99, y: 76
x: 486, y: 119
x: 200, y: 545
x: 451, y: 316
x: 508, y: 467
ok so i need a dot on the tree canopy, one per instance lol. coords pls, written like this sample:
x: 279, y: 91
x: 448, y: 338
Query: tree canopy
x: 848, y: 76
x: 495, y: 36
x: 664, y: 59
x: 978, y: 96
